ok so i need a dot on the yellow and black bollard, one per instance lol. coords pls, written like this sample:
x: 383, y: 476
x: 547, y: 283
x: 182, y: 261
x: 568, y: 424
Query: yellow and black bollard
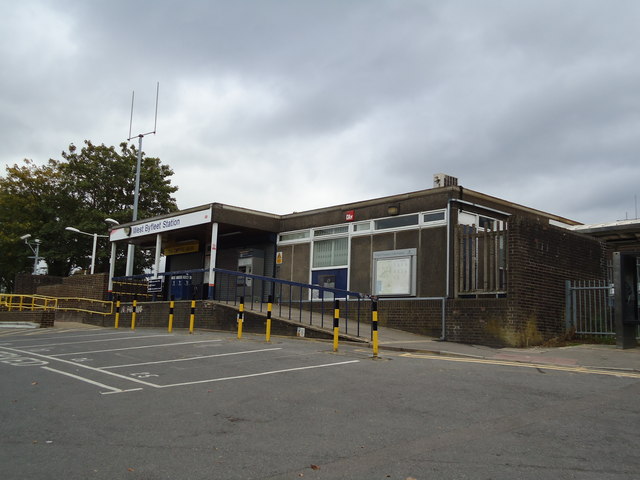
x: 172, y: 304
x: 336, y: 325
x: 240, y: 317
x: 269, y: 308
x: 192, y: 315
x: 133, y: 313
x: 374, y: 327
x: 117, y: 320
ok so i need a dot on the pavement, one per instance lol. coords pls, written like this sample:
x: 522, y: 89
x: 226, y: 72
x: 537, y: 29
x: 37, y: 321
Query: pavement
x: 592, y: 356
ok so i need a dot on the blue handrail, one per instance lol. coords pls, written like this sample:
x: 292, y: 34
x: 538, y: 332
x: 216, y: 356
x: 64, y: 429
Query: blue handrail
x: 291, y: 298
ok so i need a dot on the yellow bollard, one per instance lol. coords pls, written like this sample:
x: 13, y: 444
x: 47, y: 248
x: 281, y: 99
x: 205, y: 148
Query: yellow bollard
x: 374, y: 327
x: 171, y: 305
x: 240, y: 317
x: 336, y: 325
x: 117, y: 321
x: 269, y: 308
x: 133, y: 314
x: 192, y: 316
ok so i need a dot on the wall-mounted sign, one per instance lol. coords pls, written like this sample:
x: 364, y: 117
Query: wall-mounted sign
x: 279, y: 258
x: 179, y: 248
x: 162, y: 225
x: 154, y: 285
x: 350, y: 216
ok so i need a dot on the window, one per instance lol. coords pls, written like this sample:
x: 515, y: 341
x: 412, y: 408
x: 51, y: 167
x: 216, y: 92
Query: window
x: 396, y: 222
x: 331, y: 253
x: 486, y: 223
x: 290, y: 237
x: 482, y: 223
x: 330, y: 231
x: 432, y: 217
x: 362, y: 227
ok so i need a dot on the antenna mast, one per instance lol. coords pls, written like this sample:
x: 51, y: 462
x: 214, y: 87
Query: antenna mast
x: 136, y: 194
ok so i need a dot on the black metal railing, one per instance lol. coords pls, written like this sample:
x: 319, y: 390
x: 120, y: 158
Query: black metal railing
x: 304, y: 303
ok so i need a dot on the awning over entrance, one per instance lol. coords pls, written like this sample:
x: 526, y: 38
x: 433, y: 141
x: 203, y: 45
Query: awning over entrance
x: 204, y: 237
x: 623, y: 233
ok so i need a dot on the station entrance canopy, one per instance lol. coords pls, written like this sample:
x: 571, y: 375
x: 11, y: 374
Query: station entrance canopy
x: 205, y: 237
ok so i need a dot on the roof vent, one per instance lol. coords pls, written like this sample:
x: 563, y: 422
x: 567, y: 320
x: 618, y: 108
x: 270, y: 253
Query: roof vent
x: 444, y: 180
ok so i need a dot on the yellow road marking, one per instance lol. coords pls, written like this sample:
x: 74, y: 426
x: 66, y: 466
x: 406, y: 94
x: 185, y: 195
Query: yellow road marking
x: 543, y: 366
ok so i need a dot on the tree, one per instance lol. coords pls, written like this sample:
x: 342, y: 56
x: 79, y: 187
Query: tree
x: 81, y: 190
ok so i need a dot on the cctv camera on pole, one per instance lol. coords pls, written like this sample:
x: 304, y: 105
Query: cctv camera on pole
x: 36, y: 251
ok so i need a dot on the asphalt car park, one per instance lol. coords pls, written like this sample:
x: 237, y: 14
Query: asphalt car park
x: 100, y: 403
x: 123, y: 361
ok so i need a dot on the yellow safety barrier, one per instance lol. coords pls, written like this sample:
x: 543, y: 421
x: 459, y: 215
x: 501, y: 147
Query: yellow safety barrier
x: 70, y: 304
x: 117, y: 320
x: 336, y: 325
x: 172, y: 304
x: 130, y: 289
x: 192, y: 315
x: 269, y: 308
x: 240, y: 317
x: 374, y: 327
x: 134, y: 313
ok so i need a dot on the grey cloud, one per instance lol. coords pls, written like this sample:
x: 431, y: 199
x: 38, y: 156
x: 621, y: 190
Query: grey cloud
x: 525, y: 100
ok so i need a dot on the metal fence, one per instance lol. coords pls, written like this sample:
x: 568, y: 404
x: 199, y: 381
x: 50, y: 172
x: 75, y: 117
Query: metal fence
x: 590, y: 307
x: 304, y: 303
x: 481, y: 261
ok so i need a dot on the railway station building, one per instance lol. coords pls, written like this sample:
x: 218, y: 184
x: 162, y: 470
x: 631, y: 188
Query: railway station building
x: 444, y: 261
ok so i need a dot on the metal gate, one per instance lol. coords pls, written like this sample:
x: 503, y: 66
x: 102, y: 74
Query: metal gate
x: 590, y: 307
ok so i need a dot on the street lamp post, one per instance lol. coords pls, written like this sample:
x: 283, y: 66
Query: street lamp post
x: 112, y: 261
x: 95, y: 244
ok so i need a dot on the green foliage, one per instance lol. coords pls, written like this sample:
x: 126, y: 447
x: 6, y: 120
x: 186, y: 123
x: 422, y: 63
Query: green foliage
x: 81, y: 190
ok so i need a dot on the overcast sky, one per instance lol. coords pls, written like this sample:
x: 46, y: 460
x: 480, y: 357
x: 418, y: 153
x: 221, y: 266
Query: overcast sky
x: 289, y: 105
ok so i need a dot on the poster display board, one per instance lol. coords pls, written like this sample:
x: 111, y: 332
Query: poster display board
x: 394, y: 272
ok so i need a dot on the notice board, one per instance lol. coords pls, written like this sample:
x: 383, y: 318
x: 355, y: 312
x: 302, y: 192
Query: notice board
x: 394, y: 272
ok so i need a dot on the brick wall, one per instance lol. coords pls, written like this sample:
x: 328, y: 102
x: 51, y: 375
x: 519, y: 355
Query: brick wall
x: 541, y: 259
x: 486, y: 321
x: 423, y: 317
x: 45, y: 319
x: 478, y: 321
x: 27, y: 284
x: 79, y: 286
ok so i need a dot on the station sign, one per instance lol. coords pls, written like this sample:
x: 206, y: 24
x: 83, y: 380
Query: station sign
x: 179, y: 248
x: 162, y: 225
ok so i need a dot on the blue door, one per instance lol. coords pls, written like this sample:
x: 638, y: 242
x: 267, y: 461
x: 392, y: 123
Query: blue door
x: 335, y: 278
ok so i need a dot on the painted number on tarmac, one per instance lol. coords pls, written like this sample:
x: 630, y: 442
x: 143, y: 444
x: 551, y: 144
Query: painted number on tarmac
x: 143, y: 375
x: 18, y: 361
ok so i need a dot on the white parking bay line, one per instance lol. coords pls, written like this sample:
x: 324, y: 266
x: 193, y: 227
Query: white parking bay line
x: 80, y: 365
x: 55, y: 334
x: 92, y: 341
x: 92, y: 382
x: 135, y: 348
x: 272, y: 372
x: 191, y: 358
